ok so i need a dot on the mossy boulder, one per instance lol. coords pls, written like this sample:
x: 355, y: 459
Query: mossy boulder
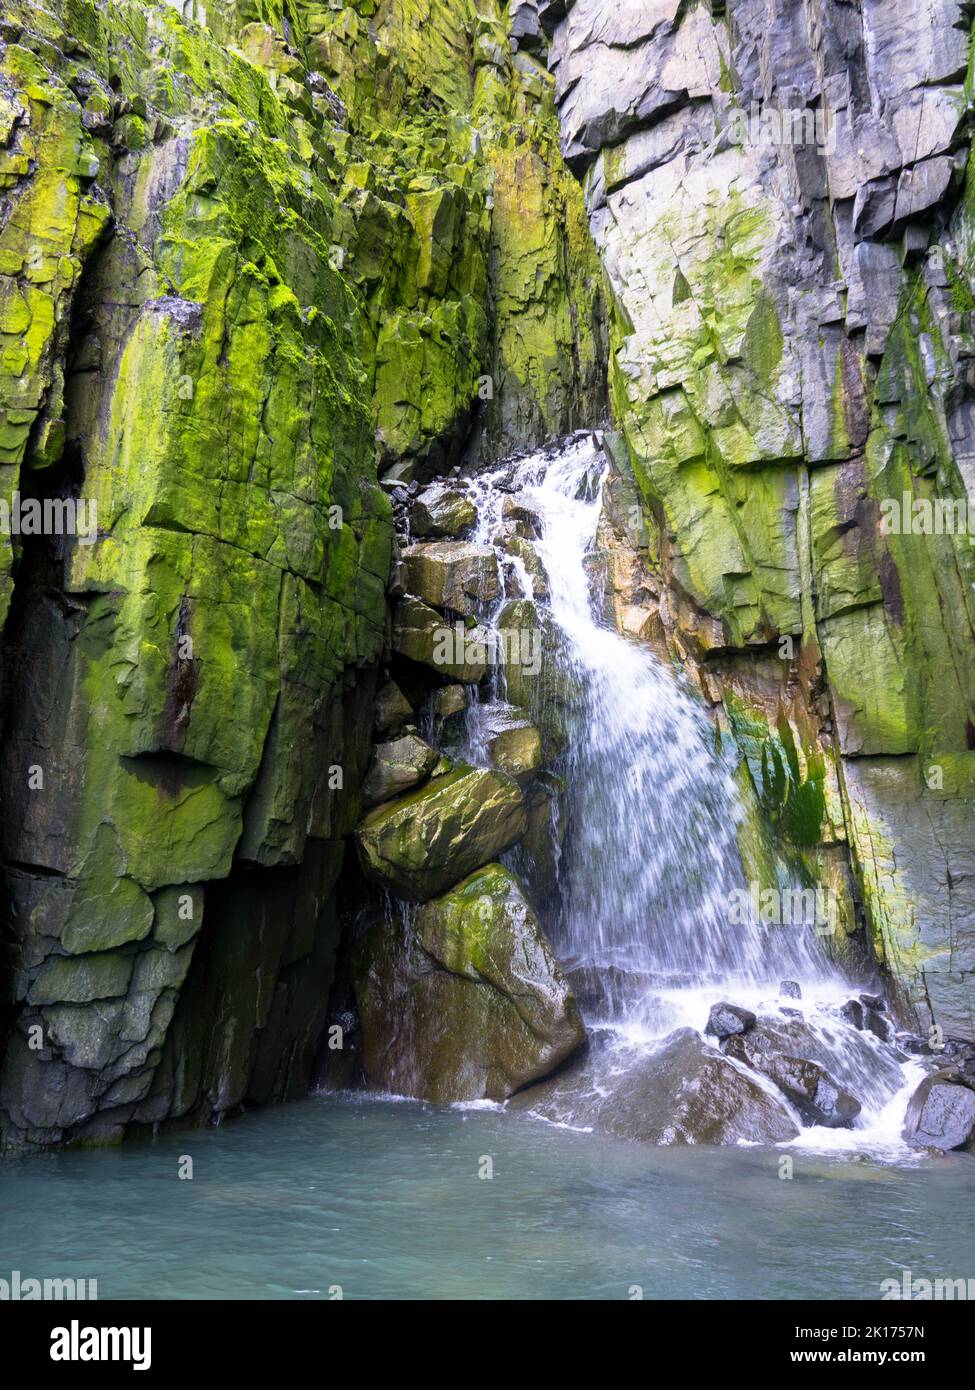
x: 421, y: 844
x: 513, y: 743
x: 450, y: 649
x: 455, y: 575
x: 465, y: 999
x: 396, y: 767
x: 443, y: 511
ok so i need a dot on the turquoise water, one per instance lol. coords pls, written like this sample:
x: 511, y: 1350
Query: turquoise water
x: 384, y: 1199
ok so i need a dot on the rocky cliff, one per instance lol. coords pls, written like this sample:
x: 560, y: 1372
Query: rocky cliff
x: 780, y: 195
x: 263, y: 262
x: 254, y: 258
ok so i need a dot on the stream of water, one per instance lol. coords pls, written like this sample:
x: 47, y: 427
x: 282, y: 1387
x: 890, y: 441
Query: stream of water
x: 384, y: 1200
x: 651, y: 859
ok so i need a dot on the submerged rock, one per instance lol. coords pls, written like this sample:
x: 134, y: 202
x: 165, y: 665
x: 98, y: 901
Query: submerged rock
x: 396, y: 767
x: 726, y: 1019
x: 941, y: 1113
x: 423, y: 843
x: 865, y: 1013
x: 465, y: 1001
x: 685, y: 1092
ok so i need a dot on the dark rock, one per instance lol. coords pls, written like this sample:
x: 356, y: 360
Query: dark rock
x: 789, y: 989
x: 854, y: 1013
x: 816, y: 1095
x: 392, y: 708
x: 875, y: 1023
x: 843, y: 1058
x: 684, y: 1092
x: 727, y: 1019
x: 941, y: 1113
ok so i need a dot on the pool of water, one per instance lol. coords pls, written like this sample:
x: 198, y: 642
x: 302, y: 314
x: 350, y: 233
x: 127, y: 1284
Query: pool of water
x: 384, y: 1199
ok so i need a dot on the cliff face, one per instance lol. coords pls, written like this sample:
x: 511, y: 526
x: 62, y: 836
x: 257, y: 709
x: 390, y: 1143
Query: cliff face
x: 262, y: 261
x: 254, y: 256
x: 781, y: 199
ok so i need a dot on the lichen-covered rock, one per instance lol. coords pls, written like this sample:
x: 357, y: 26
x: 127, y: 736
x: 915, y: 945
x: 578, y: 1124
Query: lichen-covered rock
x: 788, y: 246
x: 448, y: 648
x: 392, y: 708
x: 421, y: 844
x: 248, y: 264
x: 513, y: 743
x: 463, y: 1000
x: 441, y: 510
x: 450, y: 700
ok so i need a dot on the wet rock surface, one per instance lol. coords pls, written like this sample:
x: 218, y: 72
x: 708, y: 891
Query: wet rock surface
x: 465, y: 1000
x: 727, y: 1019
x: 684, y: 1093
x: 941, y: 1113
x: 396, y: 767
x: 419, y: 845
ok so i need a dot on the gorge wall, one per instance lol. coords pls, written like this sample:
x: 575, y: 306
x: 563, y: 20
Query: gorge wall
x: 781, y: 197
x: 254, y: 256
x: 262, y: 262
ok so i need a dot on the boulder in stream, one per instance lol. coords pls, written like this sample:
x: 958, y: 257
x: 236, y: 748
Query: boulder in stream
x: 726, y: 1019
x: 442, y: 510
x: 513, y: 742
x: 683, y: 1092
x: 941, y: 1113
x: 423, y: 843
x: 465, y: 1000
x: 451, y: 650
x: 819, y: 1098
x: 452, y: 574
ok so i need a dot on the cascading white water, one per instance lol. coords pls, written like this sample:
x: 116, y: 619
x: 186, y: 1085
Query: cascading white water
x: 651, y: 857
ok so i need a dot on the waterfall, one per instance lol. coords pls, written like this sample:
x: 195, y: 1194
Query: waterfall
x: 652, y: 857
x: 651, y: 860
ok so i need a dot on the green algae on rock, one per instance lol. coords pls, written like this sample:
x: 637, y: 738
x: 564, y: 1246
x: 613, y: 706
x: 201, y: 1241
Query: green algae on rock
x: 465, y: 999
x: 422, y: 843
